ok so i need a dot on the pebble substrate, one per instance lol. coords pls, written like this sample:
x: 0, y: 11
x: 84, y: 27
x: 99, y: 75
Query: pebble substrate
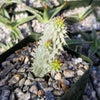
x: 17, y: 82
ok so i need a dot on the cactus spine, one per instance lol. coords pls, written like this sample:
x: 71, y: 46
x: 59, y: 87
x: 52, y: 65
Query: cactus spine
x: 50, y: 46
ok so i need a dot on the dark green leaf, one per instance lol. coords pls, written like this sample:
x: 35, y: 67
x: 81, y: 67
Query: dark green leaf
x: 92, y: 50
x: 22, y: 21
x: 13, y: 1
x: 16, y: 33
x: 72, y: 19
x: 74, y: 42
x: 45, y: 14
x: 38, y: 14
x: 98, y: 52
x: 86, y: 36
x: 4, y: 20
x: 54, y: 11
x: 5, y: 13
x: 61, y: 1
x: 93, y: 34
x: 86, y: 13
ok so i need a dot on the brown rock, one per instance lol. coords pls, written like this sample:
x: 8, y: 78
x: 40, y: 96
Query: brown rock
x: 34, y: 89
x: 58, y: 76
x: 80, y: 72
x: 58, y: 92
x: 21, y: 70
x: 64, y: 87
x: 40, y: 93
x: 2, y: 82
x: 26, y: 59
x: 14, y: 79
x: 69, y: 73
x: 27, y: 82
x: 86, y: 67
x: 21, y: 82
x: 80, y: 66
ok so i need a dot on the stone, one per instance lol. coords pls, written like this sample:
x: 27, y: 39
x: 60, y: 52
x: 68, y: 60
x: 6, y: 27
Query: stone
x: 21, y: 82
x: 42, y: 84
x: 3, y: 81
x: 49, y: 96
x: 48, y: 89
x: 5, y: 93
x: 56, y: 85
x: 12, y: 96
x: 76, y: 79
x: 30, y: 76
x: 40, y: 92
x: 23, y: 96
x: 5, y: 63
x: 26, y: 59
x: 57, y: 76
x: 34, y: 97
x: 21, y: 70
x: 34, y: 89
x: 14, y: 79
x: 86, y: 67
x: 80, y: 72
x: 58, y: 92
x: 66, y: 82
x: 64, y: 66
x: 10, y: 58
x: 80, y: 66
x: 25, y: 88
x: 64, y: 86
x: 27, y: 82
x: 14, y: 71
x: 68, y: 73
x: 17, y: 90
x: 18, y: 59
x: 61, y: 59
x: 50, y: 82
x: 6, y: 71
x: 77, y: 60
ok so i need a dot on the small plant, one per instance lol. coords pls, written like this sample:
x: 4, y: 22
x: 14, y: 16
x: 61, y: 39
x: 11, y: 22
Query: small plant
x: 47, y: 14
x: 48, y: 11
x: 92, y: 39
x: 81, y: 16
x: 12, y: 26
x: 7, y: 45
x: 50, y: 46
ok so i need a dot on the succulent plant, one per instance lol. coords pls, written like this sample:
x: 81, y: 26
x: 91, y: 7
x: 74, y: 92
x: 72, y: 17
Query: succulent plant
x: 50, y: 46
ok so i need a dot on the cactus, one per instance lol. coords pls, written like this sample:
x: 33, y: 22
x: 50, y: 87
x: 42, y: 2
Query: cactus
x: 50, y: 46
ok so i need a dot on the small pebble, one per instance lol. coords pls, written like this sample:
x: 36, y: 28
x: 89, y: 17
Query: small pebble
x: 21, y: 82
x: 27, y: 82
x: 40, y: 93
x: 69, y: 73
x: 14, y: 79
x: 58, y: 76
x: 80, y: 72
x: 34, y: 89
x: 26, y: 59
x: 49, y: 96
x: 25, y: 88
x: 58, y: 92
x: 12, y: 96
x: 21, y: 70
x: 30, y: 76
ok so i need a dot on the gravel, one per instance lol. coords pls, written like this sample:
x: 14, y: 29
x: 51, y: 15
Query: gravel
x: 24, y: 84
